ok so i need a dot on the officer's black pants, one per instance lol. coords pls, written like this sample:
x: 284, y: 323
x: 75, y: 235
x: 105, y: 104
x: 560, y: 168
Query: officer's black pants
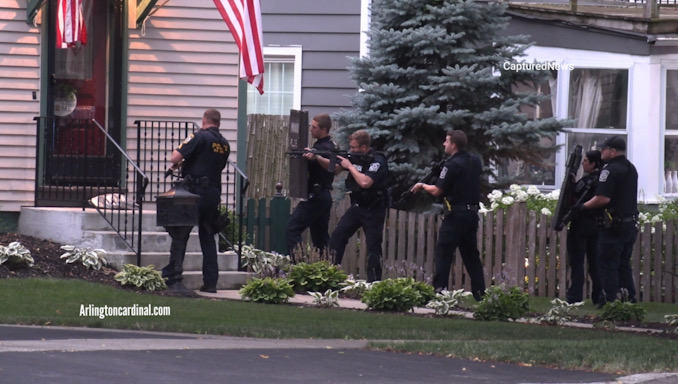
x: 313, y: 214
x: 615, y: 246
x: 459, y: 230
x: 582, y: 243
x: 371, y: 219
x: 208, y: 206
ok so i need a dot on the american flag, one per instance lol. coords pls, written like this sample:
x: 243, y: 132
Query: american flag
x: 243, y: 18
x: 70, y: 27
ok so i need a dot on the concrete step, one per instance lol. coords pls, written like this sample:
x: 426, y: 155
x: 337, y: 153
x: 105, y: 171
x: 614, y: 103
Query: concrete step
x: 228, y: 261
x: 150, y: 241
x: 227, y: 279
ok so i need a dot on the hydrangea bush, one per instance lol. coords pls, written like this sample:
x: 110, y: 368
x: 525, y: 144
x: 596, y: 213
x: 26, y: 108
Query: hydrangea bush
x: 544, y: 203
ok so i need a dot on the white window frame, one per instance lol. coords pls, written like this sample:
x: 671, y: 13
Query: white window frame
x: 563, y: 104
x: 294, y: 52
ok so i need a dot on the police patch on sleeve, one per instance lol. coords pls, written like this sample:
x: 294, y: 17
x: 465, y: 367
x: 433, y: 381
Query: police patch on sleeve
x: 443, y: 172
x: 603, y: 175
x: 374, y: 167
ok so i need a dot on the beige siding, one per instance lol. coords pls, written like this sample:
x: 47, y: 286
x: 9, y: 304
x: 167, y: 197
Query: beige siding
x: 183, y: 63
x: 19, y: 77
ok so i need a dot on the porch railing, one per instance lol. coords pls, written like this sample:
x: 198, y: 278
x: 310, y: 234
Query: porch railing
x: 155, y: 142
x: 79, y: 164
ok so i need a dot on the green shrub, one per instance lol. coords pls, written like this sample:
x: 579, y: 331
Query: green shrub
x: 16, y: 254
x: 401, y: 294
x: 622, y: 311
x: 317, y: 277
x: 87, y: 256
x: 141, y: 277
x: 267, y: 290
x: 502, y: 303
x: 228, y: 237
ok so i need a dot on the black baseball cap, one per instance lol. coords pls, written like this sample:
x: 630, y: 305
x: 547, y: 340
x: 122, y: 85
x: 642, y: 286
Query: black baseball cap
x: 615, y: 142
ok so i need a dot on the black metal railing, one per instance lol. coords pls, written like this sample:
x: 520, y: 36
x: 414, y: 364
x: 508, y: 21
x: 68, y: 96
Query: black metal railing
x: 79, y: 164
x: 155, y: 142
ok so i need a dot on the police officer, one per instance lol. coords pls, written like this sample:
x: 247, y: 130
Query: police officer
x: 582, y: 236
x: 315, y: 212
x: 367, y: 183
x: 617, y: 195
x: 459, y: 183
x: 202, y: 157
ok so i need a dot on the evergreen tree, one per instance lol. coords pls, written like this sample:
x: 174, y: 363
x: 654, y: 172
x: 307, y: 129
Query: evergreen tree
x: 436, y: 65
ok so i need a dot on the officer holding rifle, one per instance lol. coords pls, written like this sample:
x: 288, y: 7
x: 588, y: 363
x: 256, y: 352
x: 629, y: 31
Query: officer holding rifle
x: 314, y: 213
x: 459, y: 184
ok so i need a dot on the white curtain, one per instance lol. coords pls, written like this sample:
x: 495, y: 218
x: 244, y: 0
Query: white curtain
x: 587, y: 98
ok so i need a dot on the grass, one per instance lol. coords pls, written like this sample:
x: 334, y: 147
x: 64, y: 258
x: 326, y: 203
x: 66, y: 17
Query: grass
x: 58, y: 302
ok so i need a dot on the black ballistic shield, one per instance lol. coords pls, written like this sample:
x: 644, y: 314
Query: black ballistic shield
x: 298, y: 140
x: 567, y: 189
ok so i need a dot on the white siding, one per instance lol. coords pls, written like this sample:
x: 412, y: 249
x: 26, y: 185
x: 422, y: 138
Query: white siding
x: 19, y: 78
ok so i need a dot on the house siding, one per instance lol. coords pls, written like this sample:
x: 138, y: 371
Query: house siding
x: 329, y: 33
x: 184, y: 62
x: 19, y: 78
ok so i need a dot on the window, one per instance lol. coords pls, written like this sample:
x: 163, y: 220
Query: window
x: 671, y: 131
x: 543, y: 173
x: 282, y: 83
x: 597, y: 102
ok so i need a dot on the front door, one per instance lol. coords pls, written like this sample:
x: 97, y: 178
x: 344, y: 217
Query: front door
x: 84, y: 99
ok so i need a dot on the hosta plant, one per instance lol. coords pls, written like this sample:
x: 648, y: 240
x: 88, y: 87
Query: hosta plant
x: 263, y: 263
x: 447, y: 300
x: 502, y: 303
x: 16, y: 254
x: 89, y: 257
x: 328, y: 299
x: 141, y: 277
x: 316, y: 277
x: 560, y: 313
x: 270, y: 290
x: 672, y: 320
x: 354, y: 289
x: 401, y: 294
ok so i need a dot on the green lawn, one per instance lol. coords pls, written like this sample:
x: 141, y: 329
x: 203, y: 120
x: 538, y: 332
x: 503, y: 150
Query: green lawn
x: 59, y: 302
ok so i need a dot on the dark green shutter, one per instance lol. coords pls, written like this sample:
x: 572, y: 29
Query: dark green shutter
x: 32, y: 8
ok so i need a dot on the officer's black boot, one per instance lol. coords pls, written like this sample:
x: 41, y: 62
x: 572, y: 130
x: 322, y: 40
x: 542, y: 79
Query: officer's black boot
x: 373, y: 267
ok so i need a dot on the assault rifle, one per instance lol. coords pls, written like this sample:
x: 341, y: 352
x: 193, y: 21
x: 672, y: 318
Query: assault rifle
x: 355, y: 158
x: 567, y: 189
x: 427, y: 179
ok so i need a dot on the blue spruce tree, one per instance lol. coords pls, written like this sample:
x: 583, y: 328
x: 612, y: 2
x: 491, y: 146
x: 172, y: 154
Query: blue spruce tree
x: 436, y: 65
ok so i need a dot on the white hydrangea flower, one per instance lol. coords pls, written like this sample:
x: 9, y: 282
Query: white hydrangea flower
x: 483, y: 209
x: 656, y: 219
x: 495, y: 195
x: 554, y: 195
x: 515, y: 187
x: 521, y: 195
x: 494, y: 205
x: 546, y: 211
x: 507, y: 200
x: 532, y: 190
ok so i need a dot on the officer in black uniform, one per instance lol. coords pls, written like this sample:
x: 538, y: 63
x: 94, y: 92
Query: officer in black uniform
x: 202, y: 157
x: 617, y: 195
x: 315, y: 212
x: 582, y: 236
x: 367, y: 183
x: 459, y: 183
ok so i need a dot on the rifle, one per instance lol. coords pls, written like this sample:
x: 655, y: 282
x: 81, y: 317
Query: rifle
x: 566, y: 190
x: 355, y: 158
x: 427, y: 179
